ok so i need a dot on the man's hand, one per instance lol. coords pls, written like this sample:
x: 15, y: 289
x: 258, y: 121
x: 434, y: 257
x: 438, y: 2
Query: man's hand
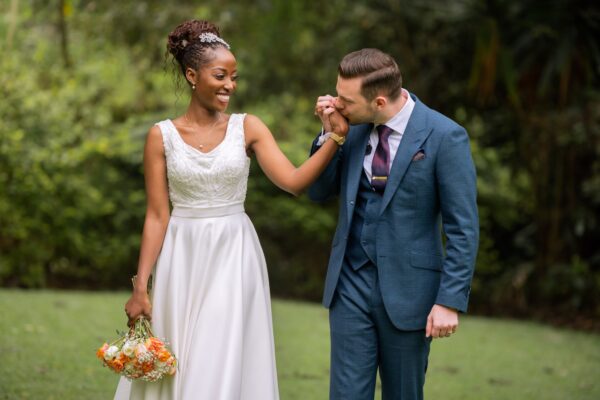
x: 325, y: 103
x: 441, y: 322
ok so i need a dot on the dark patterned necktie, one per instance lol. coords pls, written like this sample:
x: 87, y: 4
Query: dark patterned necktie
x: 380, y: 169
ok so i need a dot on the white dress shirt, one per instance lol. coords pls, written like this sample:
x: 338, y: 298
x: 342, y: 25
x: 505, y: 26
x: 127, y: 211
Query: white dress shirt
x: 398, y: 123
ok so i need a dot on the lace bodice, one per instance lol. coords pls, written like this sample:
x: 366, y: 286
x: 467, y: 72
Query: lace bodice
x: 203, y: 180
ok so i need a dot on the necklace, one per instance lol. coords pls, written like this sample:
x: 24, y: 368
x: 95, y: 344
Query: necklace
x: 210, y: 130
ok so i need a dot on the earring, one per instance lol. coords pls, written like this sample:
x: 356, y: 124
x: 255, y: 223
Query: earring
x: 193, y: 86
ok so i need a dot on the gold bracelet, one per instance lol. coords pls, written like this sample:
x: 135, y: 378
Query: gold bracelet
x: 337, y: 138
x: 134, y: 278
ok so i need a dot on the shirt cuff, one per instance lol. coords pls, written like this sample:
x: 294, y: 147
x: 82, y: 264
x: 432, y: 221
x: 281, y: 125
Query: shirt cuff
x: 323, y: 137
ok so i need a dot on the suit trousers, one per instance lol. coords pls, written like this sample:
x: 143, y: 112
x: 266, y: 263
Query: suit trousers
x: 364, y: 340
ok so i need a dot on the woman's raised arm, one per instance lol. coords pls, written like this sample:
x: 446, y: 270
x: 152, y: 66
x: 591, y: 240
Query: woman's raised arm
x: 276, y: 165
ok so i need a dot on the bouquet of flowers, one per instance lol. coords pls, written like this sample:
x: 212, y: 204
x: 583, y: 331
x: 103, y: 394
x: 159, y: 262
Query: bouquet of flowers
x: 138, y: 354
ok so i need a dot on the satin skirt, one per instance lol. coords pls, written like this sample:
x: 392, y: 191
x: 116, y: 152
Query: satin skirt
x: 211, y: 302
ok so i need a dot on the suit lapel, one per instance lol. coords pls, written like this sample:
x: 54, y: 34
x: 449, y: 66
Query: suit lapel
x: 355, y: 165
x: 414, y: 135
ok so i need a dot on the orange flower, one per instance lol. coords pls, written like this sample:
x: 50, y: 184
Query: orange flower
x: 101, y: 350
x: 147, y: 367
x: 117, y: 365
x: 164, y: 355
x: 154, y: 344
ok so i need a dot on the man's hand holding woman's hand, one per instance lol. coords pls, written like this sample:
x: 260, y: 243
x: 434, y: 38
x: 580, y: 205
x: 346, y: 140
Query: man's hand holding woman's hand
x: 330, y: 117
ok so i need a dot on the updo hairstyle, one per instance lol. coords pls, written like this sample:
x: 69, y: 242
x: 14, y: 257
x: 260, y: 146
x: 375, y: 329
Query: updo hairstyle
x: 187, y: 49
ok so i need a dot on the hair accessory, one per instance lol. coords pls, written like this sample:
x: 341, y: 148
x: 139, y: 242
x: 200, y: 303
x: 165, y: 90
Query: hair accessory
x: 208, y: 37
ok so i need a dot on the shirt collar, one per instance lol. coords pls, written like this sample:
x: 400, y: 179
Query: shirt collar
x: 399, y: 121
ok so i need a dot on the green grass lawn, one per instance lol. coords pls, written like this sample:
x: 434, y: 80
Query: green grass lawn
x: 49, y: 341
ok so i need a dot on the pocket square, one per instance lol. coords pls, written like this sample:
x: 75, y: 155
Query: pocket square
x: 419, y: 155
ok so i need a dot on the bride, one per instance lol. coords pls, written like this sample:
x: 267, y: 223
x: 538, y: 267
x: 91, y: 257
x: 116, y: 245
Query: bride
x: 210, y: 295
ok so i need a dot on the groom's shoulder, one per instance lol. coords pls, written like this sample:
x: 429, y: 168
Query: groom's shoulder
x: 440, y: 122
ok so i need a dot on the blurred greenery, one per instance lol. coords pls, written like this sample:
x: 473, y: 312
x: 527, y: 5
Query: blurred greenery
x: 48, y: 356
x: 82, y: 81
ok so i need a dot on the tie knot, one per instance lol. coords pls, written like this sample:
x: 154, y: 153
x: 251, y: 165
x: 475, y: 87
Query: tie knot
x: 384, y: 131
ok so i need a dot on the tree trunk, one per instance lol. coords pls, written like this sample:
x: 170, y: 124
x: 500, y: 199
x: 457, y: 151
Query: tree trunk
x: 13, y: 17
x: 64, y: 34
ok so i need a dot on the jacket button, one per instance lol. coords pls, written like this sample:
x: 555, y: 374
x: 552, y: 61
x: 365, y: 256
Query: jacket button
x: 352, y: 203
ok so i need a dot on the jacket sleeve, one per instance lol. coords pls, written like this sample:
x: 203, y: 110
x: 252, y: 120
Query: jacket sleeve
x: 327, y: 184
x: 457, y: 188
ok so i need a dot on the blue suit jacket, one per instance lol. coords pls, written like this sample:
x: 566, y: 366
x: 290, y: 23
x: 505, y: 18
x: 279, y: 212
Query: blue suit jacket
x: 421, y: 197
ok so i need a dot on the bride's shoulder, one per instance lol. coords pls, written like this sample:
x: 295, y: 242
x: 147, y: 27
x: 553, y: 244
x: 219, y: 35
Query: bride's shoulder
x: 161, y: 132
x: 254, y: 128
x: 155, y: 131
x: 162, y: 127
x: 155, y: 139
x: 253, y: 123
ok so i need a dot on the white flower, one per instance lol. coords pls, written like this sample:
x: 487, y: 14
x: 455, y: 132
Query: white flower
x: 111, y: 352
x: 142, y: 353
x: 128, y: 348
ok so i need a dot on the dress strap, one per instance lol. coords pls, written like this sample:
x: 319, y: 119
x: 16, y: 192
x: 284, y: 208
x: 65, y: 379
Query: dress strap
x: 167, y: 135
x: 237, y: 126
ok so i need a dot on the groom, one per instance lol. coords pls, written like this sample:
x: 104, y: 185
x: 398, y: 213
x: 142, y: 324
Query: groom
x: 404, y: 173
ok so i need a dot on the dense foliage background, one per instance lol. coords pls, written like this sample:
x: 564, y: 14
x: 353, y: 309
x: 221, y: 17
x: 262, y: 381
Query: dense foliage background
x: 82, y: 81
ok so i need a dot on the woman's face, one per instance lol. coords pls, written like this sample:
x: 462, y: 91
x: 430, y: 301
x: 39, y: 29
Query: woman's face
x: 216, y: 80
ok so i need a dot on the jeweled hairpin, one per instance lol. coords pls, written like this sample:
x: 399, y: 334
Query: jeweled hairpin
x: 208, y: 37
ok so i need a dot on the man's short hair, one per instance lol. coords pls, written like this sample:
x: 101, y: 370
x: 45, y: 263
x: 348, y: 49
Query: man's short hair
x: 381, y: 75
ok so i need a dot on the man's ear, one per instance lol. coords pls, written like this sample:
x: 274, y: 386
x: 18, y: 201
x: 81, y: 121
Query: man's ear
x: 380, y: 102
x: 191, y: 76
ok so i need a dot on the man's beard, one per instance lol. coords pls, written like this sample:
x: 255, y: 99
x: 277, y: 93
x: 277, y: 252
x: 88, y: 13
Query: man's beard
x: 357, y: 120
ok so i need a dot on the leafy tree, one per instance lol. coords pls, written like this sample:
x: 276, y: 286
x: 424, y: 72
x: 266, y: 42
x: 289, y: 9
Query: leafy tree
x: 82, y: 81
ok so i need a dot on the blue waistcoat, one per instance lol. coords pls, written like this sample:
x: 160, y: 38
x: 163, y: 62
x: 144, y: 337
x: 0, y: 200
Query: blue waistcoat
x: 361, y: 239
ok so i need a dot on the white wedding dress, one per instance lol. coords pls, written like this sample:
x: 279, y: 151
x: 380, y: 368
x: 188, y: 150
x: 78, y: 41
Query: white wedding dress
x: 210, y: 293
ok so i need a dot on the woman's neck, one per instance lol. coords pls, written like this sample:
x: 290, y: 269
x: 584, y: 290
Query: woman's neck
x: 199, y: 115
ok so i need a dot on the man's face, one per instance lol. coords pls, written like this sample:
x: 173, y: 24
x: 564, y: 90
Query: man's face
x: 351, y: 103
